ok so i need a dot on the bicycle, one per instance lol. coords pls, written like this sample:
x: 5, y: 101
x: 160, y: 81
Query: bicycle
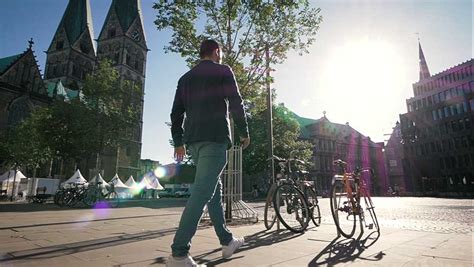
x: 346, y: 192
x: 289, y: 202
x: 95, y: 194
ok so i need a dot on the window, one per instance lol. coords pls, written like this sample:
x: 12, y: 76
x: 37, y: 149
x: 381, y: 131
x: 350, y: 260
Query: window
x: 112, y: 33
x: 436, y: 98
x: 423, y: 103
x: 447, y: 94
x: 128, y: 58
x: 460, y: 125
x: 471, y: 102
x: 441, y: 97
x: 464, y: 107
x: 446, y: 112
x: 59, y: 45
x: 430, y: 101
x: 440, y: 113
x: 454, y: 111
x: 435, y: 115
x: 467, y: 123
x: 451, y: 144
x: 459, y: 108
x: 467, y: 160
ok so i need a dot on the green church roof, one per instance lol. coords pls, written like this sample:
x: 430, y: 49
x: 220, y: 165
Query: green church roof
x: 127, y: 11
x: 77, y: 19
x: 8, y: 61
x: 303, y: 122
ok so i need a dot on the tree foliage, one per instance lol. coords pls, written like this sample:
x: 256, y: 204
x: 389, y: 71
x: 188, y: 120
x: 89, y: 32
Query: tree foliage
x: 244, y: 29
x: 247, y: 30
x: 114, y: 104
x: 26, y: 145
x: 286, y: 143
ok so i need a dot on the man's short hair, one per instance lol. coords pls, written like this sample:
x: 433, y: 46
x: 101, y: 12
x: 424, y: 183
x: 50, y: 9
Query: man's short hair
x: 207, y: 47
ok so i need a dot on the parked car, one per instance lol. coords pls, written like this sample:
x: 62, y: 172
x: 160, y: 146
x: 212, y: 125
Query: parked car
x: 184, y: 192
x: 167, y: 192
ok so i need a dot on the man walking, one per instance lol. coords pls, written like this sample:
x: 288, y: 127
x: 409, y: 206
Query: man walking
x: 206, y: 94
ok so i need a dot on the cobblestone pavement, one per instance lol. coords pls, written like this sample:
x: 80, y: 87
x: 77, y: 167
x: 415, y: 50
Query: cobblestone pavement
x: 414, y: 232
x: 420, y: 214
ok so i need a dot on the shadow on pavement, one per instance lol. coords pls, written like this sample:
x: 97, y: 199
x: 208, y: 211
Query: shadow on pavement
x: 85, y: 221
x: 127, y: 203
x: 75, y: 247
x: 259, y: 239
x: 346, y: 250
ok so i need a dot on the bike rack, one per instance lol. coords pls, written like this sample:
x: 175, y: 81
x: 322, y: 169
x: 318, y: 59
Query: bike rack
x: 235, y: 208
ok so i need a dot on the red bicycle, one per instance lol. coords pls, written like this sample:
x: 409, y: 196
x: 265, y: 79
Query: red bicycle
x: 350, y: 198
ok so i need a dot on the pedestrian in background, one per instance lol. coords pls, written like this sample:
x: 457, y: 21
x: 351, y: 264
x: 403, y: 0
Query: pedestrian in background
x: 200, y: 123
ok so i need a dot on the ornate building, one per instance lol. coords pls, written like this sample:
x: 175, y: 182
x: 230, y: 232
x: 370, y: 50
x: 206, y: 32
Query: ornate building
x: 438, y: 131
x: 72, y: 55
x: 21, y: 88
x: 394, y: 159
x: 334, y: 141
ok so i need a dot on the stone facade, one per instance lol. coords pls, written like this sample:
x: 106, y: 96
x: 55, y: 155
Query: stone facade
x: 21, y: 89
x: 438, y: 131
x: 394, y: 159
x: 334, y: 141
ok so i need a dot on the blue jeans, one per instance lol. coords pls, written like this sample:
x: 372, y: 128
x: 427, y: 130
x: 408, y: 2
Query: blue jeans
x: 210, y: 159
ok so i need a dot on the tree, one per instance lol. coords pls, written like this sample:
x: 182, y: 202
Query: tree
x: 286, y: 140
x: 69, y: 130
x: 246, y: 30
x: 114, y: 106
x: 27, y: 146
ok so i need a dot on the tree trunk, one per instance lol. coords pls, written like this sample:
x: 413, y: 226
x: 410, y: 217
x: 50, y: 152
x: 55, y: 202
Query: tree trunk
x: 61, y: 169
x: 50, y: 168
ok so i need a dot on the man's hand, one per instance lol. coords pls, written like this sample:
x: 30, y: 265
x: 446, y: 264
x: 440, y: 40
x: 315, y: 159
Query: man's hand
x: 179, y: 153
x: 245, y: 142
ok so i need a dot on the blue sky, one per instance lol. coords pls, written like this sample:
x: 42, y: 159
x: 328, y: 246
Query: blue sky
x: 360, y: 69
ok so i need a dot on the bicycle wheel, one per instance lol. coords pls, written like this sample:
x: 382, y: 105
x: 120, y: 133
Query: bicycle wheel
x: 90, y: 198
x: 371, y: 220
x: 269, y: 216
x: 113, y: 199
x: 291, y: 208
x: 313, y: 204
x: 342, y: 210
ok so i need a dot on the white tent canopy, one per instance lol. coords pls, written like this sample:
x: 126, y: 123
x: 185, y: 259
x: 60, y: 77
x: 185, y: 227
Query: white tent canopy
x: 76, y: 178
x: 145, y: 184
x: 117, y: 182
x: 98, y: 179
x: 131, y: 182
x: 156, y: 184
x: 9, y: 176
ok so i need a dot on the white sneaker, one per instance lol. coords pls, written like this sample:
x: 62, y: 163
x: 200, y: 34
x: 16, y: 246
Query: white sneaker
x: 235, y: 244
x: 186, y: 261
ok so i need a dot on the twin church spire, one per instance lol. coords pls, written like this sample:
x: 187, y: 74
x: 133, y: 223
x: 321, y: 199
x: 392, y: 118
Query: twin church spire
x: 73, y: 52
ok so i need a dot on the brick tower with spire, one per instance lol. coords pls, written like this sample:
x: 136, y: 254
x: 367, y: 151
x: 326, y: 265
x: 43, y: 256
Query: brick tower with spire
x: 71, y: 54
x: 122, y: 40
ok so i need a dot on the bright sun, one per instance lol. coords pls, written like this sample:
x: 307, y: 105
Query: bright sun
x: 361, y: 81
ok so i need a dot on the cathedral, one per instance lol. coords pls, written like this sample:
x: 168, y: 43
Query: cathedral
x: 73, y: 53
